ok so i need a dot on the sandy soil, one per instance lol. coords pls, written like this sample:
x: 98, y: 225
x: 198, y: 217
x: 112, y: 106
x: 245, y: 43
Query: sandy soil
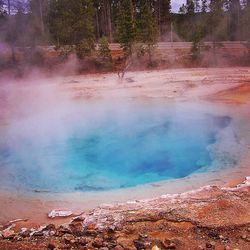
x: 187, y: 84
x: 222, y: 85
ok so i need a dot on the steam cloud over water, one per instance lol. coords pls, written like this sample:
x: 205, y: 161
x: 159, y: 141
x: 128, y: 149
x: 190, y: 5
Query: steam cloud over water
x: 51, y: 142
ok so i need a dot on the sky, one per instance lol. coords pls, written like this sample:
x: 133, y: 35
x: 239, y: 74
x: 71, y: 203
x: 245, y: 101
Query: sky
x: 176, y: 4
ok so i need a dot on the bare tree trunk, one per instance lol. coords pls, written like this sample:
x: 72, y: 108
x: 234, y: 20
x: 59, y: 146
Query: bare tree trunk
x: 9, y: 7
x: 127, y: 64
x: 159, y: 18
x: 41, y: 17
x: 107, y: 20
x: 132, y: 11
x: 110, y: 35
x: 13, y: 57
x: 97, y: 25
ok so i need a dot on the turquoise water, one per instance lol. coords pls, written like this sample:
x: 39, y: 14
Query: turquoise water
x: 95, y: 146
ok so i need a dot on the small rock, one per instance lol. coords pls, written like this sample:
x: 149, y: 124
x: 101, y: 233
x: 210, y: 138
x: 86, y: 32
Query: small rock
x: 8, y: 234
x: 113, y: 245
x: 118, y: 247
x: 111, y: 229
x: 155, y: 248
x: 107, y: 237
x: 42, y: 228
x: 63, y: 230
x: 98, y: 242
x: 17, y: 238
x: 210, y: 245
x: 76, y: 228
x: 68, y: 237
x: 213, y: 235
x: 78, y: 219
x: 52, y: 233
x: 171, y: 246
x: 90, y: 232
x: 88, y: 248
x: 139, y: 244
x: 104, y: 248
x: 176, y: 241
x: 53, y: 244
x: 59, y: 213
x: 83, y: 241
x: 166, y: 242
x: 243, y: 237
x: 248, y: 229
x: 227, y: 248
x: 38, y: 234
x: 91, y: 226
x: 129, y: 79
x: 51, y: 227
x: 143, y: 236
x: 72, y: 242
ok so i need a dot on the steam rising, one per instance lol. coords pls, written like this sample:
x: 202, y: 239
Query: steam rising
x: 41, y: 124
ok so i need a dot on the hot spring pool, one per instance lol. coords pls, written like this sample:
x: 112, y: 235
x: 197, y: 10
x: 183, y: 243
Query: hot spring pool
x: 95, y: 146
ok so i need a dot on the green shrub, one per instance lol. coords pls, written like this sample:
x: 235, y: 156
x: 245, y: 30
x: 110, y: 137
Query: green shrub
x: 104, y: 54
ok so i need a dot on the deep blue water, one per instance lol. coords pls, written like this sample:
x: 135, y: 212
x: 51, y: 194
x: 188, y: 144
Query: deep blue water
x: 95, y: 147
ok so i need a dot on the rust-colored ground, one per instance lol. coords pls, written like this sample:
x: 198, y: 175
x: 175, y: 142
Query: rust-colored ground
x: 237, y: 95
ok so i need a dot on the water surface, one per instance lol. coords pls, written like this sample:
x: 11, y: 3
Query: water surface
x: 102, y: 145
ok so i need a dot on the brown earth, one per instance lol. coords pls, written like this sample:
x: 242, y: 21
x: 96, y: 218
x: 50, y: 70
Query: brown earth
x: 237, y: 95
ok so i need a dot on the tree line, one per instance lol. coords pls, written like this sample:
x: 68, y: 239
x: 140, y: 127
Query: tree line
x: 83, y: 23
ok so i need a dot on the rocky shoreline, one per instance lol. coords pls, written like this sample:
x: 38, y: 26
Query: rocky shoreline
x: 211, y: 217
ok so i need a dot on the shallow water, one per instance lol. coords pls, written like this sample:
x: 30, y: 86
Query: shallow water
x: 99, y: 145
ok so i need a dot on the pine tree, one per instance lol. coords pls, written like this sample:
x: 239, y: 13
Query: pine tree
x: 2, y: 20
x: 204, y: 6
x: 197, y: 6
x: 247, y: 22
x: 146, y: 26
x: 234, y: 19
x: 147, y: 31
x: 104, y: 53
x: 38, y: 13
x: 1, y: 7
x: 216, y: 27
x: 71, y: 23
x: 103, y: 19
x: 183, y: 9
x: 107, y: 5
x: 163, y: 16
x: 126, y: 26
x: 190, y: 7
x: 216, y: 16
